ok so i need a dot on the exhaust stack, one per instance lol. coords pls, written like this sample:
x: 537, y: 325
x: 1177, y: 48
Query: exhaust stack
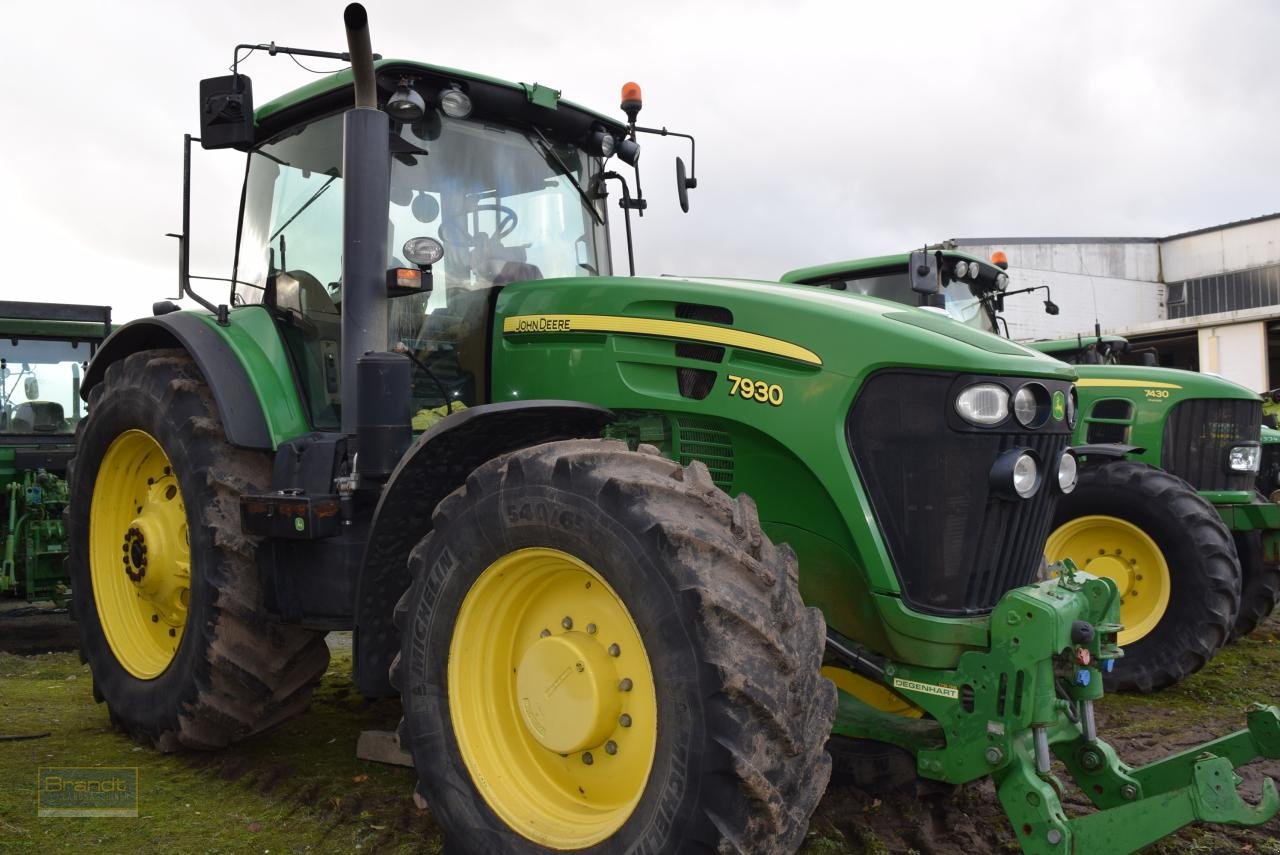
x: 366, y: 174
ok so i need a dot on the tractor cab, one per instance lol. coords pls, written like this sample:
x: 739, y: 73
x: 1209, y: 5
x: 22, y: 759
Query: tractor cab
x: 490, y: 184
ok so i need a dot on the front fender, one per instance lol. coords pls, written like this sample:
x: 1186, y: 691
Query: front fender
x: 244, y: 363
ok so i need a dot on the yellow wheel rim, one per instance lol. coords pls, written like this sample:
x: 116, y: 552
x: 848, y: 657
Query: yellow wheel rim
x: 1118, y: 549
x: 139, y: 554
x: 873, y: 694
x: 552, y: 698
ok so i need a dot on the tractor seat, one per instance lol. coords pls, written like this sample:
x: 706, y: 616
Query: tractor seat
x: 37, y: 417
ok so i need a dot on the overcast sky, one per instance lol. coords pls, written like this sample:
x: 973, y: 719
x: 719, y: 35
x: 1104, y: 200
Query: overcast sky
x: 826, y: 130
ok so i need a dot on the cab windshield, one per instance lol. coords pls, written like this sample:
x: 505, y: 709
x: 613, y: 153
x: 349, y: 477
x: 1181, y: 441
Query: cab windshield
x: 40, y: 386
x: 963, y: 299
x: 503, y: 201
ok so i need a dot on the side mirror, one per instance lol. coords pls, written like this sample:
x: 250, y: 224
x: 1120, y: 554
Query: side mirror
x: 924, y: 272
x: 682, y: 185
x: 226, y: 112
x: 31, y: 388
x: 1050, y: 307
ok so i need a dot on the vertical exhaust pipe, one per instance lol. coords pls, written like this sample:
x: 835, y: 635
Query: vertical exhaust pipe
x: 360, y: 50
x: 366, y: 188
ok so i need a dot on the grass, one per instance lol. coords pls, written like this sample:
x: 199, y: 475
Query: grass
x: 301, y: 788
x: 298, y: 789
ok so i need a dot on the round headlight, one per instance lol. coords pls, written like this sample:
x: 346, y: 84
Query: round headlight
x: 984, y: 404
x: 961, y: 269
x: 1068, y: 471
x: 455, y: 103
x: 1026, y: 476
x: 1026, y: 408
x: 1002, y: 281
x: 973, y: 270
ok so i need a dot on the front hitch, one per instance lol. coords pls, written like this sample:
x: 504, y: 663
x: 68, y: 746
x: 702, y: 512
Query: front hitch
x: 1010, y: 710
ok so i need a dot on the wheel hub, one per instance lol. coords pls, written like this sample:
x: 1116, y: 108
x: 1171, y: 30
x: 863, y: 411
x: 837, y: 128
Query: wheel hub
x: 568, y: 692
x: 1116, y: 569
x: 135, y: 554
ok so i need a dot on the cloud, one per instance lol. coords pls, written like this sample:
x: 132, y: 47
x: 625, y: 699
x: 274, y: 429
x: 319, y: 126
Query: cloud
x: 825, y: 130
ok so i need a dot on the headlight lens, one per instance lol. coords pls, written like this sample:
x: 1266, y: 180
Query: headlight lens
x: 1002, y: 281
x: 1245, y: 458
x: 1071, y: 408
x: 1068, y: 471
x: 1029, y: 405
x: 984, y: 404
x: 1025, y: 475
x: 455, y: 103
x: 961, y: 269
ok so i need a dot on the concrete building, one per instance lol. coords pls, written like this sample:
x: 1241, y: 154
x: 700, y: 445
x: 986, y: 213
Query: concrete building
x: 1208, y: 300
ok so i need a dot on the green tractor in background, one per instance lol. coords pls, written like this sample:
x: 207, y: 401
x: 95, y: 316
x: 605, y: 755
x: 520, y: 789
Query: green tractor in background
x: 1166, y: 504
x: 44, y: 349
x: 577, y: 584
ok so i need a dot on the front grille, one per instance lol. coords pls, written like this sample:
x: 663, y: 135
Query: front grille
x: 1197, y: 436
x: 956, y: 547
x: 1269, y: 471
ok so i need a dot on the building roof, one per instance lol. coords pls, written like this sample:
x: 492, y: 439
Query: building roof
x: 1016, y: 241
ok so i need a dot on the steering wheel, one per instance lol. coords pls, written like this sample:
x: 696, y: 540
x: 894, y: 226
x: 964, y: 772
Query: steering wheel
x: 506, y: 221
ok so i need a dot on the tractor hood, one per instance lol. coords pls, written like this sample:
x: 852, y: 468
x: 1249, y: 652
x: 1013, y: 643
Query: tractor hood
x: 843, y: 333
x: 1181, y: 384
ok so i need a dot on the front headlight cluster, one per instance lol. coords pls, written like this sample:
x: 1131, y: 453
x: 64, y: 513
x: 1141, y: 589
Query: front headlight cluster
x: 963, y: 269
x: 988, y: 404
x: 1017, y: 473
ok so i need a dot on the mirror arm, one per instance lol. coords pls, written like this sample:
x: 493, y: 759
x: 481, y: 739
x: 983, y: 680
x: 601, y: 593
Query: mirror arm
x: 272, y: 49
x: 692, y: 181
x: 184, y: 259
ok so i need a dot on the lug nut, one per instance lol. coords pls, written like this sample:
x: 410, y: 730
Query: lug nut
x: 624, y: 685
x: 567, y: 623
x: 172, y: 632
x: 591, y: 629
x: 544, y: 633
x: 587, y: 758
x: 995, y: 756
x: 155, y: 618
x: 624, y: 720
x: 611, y: 747
x: 615, y: 650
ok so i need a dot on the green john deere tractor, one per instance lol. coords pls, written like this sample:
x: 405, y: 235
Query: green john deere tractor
x: 44, y: 348
x: 576, y: 583
x: 1166, y: 504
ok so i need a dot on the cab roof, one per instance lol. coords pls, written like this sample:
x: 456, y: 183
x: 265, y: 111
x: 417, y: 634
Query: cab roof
x: 837, y: 269
x: 335, y: 83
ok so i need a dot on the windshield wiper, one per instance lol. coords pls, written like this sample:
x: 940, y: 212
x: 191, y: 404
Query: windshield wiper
x: 305, y: 205
x: 586, y: 197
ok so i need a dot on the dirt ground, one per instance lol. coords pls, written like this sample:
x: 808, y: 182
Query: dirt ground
x: 301, y: 788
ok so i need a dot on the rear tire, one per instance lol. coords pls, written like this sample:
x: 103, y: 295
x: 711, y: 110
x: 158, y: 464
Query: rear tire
x: 1199, y: 558
x: 235, y: 672
x: 1260, y: 584
x: 738, y: 764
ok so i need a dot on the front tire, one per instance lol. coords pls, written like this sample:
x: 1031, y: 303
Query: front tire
x: 685, y: 647
x: 165, y: 589
x: 1170, y: 555
x: 1260, y: 584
